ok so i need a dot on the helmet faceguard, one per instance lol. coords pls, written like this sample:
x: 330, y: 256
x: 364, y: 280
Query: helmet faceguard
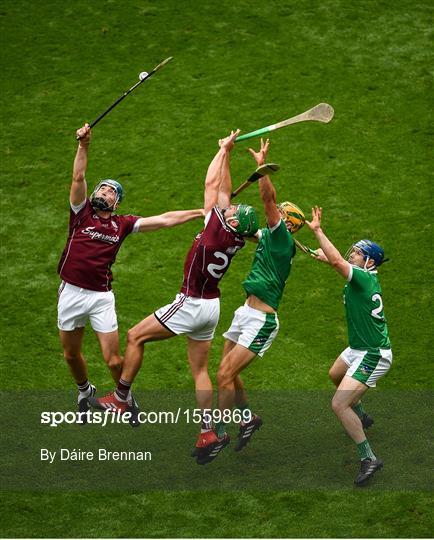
x: 369, y: 250
x: 99, y: 203
x: 247, y: 218
x: 292, y: 216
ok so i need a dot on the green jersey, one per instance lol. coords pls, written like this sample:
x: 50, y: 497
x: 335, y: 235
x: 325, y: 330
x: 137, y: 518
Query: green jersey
x: 271, y: 265
x: 367, y: 327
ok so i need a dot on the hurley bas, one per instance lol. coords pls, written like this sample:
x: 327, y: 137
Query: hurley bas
x: 76, y: 454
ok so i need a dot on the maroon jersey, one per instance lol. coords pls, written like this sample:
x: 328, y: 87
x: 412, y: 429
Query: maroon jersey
x: 209, y: 257
x: 92, y: 246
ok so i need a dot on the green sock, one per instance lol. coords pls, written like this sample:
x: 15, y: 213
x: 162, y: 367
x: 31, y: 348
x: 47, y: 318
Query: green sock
x: 246, y: 413
x: 221, y: 429
x: 358, y: 409
x: 365, y: 451
x: 243, y: 407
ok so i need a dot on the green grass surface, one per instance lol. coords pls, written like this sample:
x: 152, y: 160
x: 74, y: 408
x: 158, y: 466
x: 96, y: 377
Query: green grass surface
x: 314, y: 514
x: 236, y: 64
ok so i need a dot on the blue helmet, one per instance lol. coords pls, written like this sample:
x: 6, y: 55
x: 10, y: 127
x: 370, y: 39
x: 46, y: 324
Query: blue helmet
x: 100, y: 203
x: 371, y: 250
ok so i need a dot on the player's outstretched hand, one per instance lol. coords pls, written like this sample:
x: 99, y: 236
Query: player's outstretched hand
x: 84, y: 134
x: 315, y: 224
x: 319, y: 255
x: 261, y: 154
x: 228, y: 142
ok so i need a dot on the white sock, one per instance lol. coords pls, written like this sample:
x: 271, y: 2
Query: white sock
x: 85, y: 394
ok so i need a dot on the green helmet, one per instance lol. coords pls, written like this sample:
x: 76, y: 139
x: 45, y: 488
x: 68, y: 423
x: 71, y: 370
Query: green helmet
x: 247, y: 218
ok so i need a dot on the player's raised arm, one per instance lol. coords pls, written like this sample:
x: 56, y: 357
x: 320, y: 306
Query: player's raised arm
x: 225, y: 189
x: 329, y: 253
x: 78, y: 186
x: 214, y: 174
x: 212, y: 182
x: 266, y: 188
x: 168, y: 219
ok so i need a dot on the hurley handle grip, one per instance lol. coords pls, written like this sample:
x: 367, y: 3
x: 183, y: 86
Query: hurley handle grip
x: 253, y: 134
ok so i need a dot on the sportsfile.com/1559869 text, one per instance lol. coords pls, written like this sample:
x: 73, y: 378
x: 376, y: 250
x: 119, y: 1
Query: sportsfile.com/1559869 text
x: 103, y: 418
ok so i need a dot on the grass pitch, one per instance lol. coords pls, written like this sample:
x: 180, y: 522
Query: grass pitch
x: 243, y: 65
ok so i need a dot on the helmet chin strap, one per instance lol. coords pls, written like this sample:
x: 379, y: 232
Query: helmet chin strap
x: 365, y: 266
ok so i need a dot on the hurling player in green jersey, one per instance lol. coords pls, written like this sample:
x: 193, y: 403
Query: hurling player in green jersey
x: 255, y: 324
x: 369, y: 355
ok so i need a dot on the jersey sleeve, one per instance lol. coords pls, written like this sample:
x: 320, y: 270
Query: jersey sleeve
x: 214, y: 220
x: 76, y: 213
x: 358, y: 277
x: 128, y: 222
x: 212, y: 215
x: 207, y: 217
x: 280, y: 237
x: 76, y: 208
x: 276, y: 229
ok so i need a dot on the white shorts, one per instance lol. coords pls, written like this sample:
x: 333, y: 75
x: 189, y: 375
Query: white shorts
x: 253, y: 329
x: 367, y: 366
x: 195, y: 317
x: 76, y: 306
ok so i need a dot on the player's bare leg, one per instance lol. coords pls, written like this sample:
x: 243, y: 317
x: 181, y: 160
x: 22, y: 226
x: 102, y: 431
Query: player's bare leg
x: 72, y: 342
x: 207, y: 439
x: 150, y: 329
x: 227, y: 347
x: 198, y: 352
x: 337, y: 373
x: 349, y: 392
x: 109, y: 344
x: 240, y: 396
x: 250, y: 422
x: 231, y: 366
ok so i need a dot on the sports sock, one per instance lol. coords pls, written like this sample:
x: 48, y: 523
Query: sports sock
x: 358, y: 409
x: 365, y: 451
x: 122, y: 390
x: 206, y: 424
x: 245, y: 413
x: 221, y: 429
x: 84, y: 390
x: 83, y: 387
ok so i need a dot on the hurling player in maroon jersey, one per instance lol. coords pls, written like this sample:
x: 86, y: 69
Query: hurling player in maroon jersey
x: 195, y: 310
x: 255, y: 324
x: 95, y: 236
